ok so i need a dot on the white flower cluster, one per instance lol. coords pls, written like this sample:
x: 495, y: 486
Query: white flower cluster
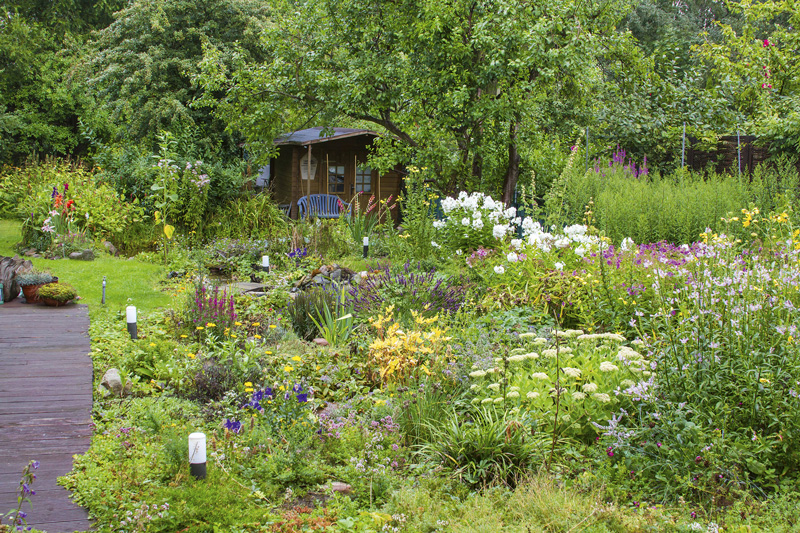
x: 611, y: 337
x: 551, y: 353
x: 574, y: 237
x: 608, y: 366
x: 476, y: 211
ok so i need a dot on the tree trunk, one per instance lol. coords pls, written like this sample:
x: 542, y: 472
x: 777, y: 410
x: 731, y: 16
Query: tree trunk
x: 512, y: 174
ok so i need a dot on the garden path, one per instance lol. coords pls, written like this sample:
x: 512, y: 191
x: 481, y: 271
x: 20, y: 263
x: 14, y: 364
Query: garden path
x: 45, y: 407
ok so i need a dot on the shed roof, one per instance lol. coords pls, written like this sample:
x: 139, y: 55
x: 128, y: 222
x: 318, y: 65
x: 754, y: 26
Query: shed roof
x: 313, y: 135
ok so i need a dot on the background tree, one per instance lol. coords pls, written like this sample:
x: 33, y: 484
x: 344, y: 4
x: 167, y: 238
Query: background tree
x: 142, y: 67
x: 458, y: 86
x: 39, y: 109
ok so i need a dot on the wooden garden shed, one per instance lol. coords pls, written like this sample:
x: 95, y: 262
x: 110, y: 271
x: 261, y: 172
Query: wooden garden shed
x: 336, y: 163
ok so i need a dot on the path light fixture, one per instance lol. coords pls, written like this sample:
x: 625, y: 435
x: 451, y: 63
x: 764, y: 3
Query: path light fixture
x: 197, y: 455
x: 103, y: 301
x: 265, y: 263
x: 130, y: 313
x: 366, y: 247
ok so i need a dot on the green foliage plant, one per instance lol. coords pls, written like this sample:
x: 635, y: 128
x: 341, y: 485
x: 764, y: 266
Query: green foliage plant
x: 488, y: 447
x: 247, y: 216
x: 587, y: 373
x: 648, y: 207
x: 417, y: 212
x: 362, y: 221
x: 33, y: 278
x: 304, y: 307
x: 164, y: 187
x: 60, y: 292
x: 60, y: 201
x: 333, y: 323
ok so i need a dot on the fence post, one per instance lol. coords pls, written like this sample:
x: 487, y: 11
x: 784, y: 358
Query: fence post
x: 739, y: 152
x: 587, y: 148
x: 683, y: 145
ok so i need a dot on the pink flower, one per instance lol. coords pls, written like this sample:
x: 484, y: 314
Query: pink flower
x: 767, y: 43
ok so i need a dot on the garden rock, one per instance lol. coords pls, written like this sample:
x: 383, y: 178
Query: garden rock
x: 9, y: 268
x: 110, y: 248
x: 327, y: 274
x: 112, y: 381
x: 341, y: 488
x: 320, y: 342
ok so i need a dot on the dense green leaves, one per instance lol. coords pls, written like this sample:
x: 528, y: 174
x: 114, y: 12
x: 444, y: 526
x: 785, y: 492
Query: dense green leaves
x: 142, y: 66
x: 458, y: 85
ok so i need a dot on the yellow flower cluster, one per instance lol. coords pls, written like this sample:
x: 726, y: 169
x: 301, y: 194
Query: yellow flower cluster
x: 400, y: 353
x: 748, y: 217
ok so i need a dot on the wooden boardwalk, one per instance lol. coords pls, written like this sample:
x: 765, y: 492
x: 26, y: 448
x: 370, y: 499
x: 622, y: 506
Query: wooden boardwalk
x: 45, y: 407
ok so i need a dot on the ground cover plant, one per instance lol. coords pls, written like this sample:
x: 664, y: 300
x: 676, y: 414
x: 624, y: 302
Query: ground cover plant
x: 527, y: 376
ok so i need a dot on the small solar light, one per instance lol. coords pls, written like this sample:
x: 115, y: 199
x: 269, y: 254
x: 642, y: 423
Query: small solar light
x: 197, y: 455
x: 103, y: 300
x: 265, y: 263
x: 130, y: 313
x: 366, y: 247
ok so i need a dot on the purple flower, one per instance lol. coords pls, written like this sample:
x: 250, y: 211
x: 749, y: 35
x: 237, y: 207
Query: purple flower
x: 233, y: 425
x: 53, y: 195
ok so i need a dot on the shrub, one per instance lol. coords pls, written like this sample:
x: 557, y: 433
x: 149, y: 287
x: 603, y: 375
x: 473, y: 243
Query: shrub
x: 33, y: 278
x: 247, y: 217
x: 487, y: 446
x: 305, y: 306
x: 400, y: 355
x: 472, y: 221
x: 649, y: 207
x: 410, y: 289
x: 234, y: 255
x: 61, y: 292
x: 64, y: 203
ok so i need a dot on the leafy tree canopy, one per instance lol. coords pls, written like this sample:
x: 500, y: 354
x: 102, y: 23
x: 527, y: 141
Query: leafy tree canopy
x: 458, y: 85
x: 142, y: 66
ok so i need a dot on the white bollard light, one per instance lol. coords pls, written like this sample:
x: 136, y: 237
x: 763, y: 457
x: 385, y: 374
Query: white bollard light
x: 265, y: 263
x: 366, y: 247
x: 197, y: 455
x: 130, y: 313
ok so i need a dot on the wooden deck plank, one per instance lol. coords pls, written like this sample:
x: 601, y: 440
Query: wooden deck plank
x: 45, y: 407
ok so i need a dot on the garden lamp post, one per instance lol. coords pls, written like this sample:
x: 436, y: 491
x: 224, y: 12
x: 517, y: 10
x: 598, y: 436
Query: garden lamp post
x: 103, y: 300
x: 197, y: 455
x: 130, y: 313
x: 366, y: 247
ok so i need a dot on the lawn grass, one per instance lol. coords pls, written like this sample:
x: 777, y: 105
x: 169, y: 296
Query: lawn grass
x: 128, y: 282
x: 9, y: 236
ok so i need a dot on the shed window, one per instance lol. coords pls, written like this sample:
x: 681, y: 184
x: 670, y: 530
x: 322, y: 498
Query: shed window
x: 335, y: 179
x: 363, y: 179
